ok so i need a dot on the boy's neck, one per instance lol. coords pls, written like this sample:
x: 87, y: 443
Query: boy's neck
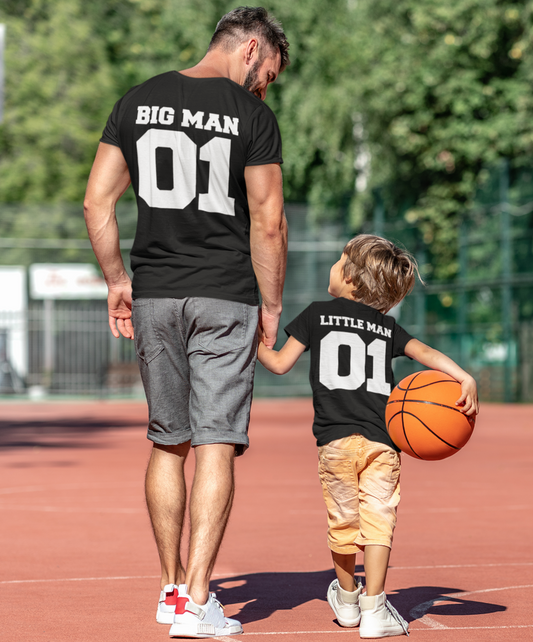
x: 346, y: 296
x: 350, y: 297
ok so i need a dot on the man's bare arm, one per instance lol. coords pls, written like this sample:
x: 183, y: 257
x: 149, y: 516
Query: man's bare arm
x: 268, y: 242
x: 109, y: 179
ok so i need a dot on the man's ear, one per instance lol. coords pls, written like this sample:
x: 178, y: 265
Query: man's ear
x: 251, y: 51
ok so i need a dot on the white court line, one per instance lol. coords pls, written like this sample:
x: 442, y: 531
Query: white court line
x: 419, y: 612
x: 105, y: 579
x: 54, y: 509
x: 229, y: 575
x: 417, y: 568
x: 83, y: 579
x: 411, y: 630
x: 77, y: 486
x: 297, y: 633
x: 466, y: 509
x: 61, y: 509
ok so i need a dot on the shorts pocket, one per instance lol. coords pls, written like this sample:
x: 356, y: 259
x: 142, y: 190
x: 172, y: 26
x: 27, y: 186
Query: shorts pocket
x: 221, y: 326
x: 381, y: 477
x: 148, y: 344
x: 339, y: 484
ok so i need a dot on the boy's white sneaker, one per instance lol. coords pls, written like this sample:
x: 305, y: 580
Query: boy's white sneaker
x: 379, y: 619
x: 201, y: 621
x: 345, y: 604
x: 167, y: 604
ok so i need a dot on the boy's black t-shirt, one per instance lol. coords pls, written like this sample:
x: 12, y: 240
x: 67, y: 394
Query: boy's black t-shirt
x: 352, y: 347
x: 187, y: 142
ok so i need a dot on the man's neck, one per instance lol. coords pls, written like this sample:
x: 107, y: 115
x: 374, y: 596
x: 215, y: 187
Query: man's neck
x: 216, y: 64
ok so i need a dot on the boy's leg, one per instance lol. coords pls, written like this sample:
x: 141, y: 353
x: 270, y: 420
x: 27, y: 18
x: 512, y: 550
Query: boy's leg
x: 339, y: 485
x: 379, y: 496
x: 376, y: 565
x: 344, y: 592
x: 345, y: 569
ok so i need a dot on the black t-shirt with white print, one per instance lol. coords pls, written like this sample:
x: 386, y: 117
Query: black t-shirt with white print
x: 352, y: 347
x: 187, y: 142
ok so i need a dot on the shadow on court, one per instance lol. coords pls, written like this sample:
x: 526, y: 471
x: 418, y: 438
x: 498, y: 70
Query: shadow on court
x: 265, y: 593
x: 58, y: 433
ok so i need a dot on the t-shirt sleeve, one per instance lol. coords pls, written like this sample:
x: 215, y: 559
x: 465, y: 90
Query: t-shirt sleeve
x: 299, y: 329
x: 264, y: 145
x: 110, y: 134
x: 399, y: 340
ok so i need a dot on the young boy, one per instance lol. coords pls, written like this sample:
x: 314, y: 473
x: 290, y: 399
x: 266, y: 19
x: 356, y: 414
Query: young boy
x: 352, y: 345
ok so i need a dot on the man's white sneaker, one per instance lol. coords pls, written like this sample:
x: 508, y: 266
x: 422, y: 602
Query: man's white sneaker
x: 167, y: 604
x: 345, y: 604
x: 379, y: 619
x: 201, y: 621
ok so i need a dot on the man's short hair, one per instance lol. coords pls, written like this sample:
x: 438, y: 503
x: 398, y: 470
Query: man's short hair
x: 237, y: 25
x: 382, y: 273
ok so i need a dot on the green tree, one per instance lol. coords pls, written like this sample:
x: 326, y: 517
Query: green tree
x: 59, y: 90
x: 414, y: 98
x: 315, y: 101
x: 68, y: 61
x: 445, y: 92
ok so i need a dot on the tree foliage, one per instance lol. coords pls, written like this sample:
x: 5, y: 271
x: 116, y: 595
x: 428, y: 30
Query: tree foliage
x: 414, y: 98
x: 445, y: 89
x: 58, y: 89
x: 68, y: 61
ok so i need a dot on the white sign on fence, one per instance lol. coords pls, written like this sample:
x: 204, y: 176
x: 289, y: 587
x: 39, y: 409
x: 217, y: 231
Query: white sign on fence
x: 13, y: 315
x: 66, y: 281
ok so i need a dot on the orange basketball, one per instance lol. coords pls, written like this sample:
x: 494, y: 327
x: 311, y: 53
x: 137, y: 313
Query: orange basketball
x: 422, y: 418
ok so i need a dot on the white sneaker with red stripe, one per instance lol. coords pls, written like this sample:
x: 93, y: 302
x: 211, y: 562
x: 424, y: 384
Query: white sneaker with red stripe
x: 167, y: 604
x: 201, y: 621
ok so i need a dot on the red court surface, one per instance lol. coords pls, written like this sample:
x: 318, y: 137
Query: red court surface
x: 78, y: 561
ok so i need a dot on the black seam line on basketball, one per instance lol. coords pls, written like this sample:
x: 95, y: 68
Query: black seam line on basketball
x: 429, y: 403
x: 426, y: 385
x: 403, y: 423
x: 431, y: 431
x: 409, y: 443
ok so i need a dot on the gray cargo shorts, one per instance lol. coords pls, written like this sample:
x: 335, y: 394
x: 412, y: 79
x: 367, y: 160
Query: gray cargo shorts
x: 197, y: 360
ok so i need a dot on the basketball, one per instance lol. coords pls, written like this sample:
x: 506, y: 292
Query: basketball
x: 422, y: 418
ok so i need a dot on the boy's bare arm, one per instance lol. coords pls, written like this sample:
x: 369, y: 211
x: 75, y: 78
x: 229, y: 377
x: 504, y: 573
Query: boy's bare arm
x: 282, y: 361
x: 436, y: 360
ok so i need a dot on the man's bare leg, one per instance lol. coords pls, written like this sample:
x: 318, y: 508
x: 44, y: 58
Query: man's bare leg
x: 210, y: 505
x: 166, y: 497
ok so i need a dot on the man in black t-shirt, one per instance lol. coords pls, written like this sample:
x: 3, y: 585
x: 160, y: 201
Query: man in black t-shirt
x: 202, y: 152
x: 352, y: 343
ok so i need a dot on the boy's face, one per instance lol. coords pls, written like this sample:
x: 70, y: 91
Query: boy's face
x: 337, y: 283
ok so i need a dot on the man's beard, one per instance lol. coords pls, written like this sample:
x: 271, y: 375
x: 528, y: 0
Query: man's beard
x: 251, y: 82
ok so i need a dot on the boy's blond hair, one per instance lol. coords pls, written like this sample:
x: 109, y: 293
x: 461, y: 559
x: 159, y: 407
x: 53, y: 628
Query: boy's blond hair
x: 381, y: 273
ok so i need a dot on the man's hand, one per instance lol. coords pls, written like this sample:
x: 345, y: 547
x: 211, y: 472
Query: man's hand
x: 119, y: 309
x: 108, y: 180
x: 268, y: 324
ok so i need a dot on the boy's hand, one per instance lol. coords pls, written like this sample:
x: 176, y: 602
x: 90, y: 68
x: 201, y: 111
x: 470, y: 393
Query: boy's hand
x: 260, y: 335
x: 468, y: 400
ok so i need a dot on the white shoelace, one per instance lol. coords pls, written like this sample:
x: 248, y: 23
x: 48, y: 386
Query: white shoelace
x: 217, y: 603
x: 397, y: 617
